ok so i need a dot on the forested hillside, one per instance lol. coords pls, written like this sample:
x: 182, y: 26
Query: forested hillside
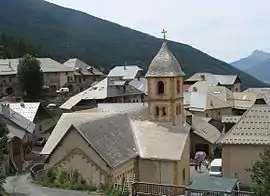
x: 65, y: 33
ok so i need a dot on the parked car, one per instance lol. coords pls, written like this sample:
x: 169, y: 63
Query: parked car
x: 215, y: 168
x: 63, y: 90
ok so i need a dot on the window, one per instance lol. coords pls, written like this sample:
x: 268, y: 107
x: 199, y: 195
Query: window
x: 218, y: 113
x: 160, y: 87
x: 10, y: 80
x: 80, y: 80
x: 163, y: 111
x: 236, y: 89
x: 66, y: 73
x: 178, y: 86
x: 177, y: 110
x: 206, y: 115
x: 157, y: 111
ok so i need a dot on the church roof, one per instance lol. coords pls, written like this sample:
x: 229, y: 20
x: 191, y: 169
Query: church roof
x: 120, y: 136
x: 164, y: 64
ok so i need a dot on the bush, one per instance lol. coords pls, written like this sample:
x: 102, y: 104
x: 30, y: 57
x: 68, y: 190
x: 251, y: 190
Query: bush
x: 52, y: 175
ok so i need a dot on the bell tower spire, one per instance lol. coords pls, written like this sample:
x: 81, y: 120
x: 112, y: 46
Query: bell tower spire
x: 164, y: 34
x: 165, y: 86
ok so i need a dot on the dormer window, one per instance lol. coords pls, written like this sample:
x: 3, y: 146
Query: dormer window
x: 160, y: 87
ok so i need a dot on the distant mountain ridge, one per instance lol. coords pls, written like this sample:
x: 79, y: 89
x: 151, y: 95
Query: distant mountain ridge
x: 256, y: 64
x: 64, y: 33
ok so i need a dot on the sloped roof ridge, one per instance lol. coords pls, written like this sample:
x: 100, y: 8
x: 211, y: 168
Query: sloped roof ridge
x: 221, y: 139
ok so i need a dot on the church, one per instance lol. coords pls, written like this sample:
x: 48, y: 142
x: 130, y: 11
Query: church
x: 150, y: 144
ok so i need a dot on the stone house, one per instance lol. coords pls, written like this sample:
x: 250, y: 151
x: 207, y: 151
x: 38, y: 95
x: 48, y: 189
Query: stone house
x: 84, y: 75
x: 20, y: 138
x: 105, y: 91
x: 152, y: 144
x: 244, y: 142
x: 203, y: 135
x: 36, y: 113
x: 55, y: 74
x: 232, y: 82
x: 209, y: 101
x: 125, y: 72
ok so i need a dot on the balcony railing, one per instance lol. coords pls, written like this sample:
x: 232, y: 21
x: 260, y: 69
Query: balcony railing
x: 141, y: 188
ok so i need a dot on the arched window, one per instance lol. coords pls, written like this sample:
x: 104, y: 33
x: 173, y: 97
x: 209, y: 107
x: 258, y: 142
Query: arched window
x: 157, y: 111
x: 160, y: 87
x: 178, y: 86
x: 163, y: 111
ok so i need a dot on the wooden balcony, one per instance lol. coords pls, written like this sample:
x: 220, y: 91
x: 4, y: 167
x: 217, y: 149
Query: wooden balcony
x: 141, y: 188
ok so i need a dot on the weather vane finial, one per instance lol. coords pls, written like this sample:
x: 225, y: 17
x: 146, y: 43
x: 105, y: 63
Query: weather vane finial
x: 164, y: 33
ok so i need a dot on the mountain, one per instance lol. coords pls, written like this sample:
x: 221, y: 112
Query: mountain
x: 65, y: 33
x: 257, y: 64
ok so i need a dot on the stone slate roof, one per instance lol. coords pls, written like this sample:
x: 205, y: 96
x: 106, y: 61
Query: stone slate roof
x: 252, y: 128
x: 77, y: 63
x: 112, y: 138
x: 9, y: 66
x: 213, y: 79
x: 205, y: 129
x: 18, y: 120
x: 118, y: 137
x: 101, y: 90
x: 164, y: 64
x: 125, y: 72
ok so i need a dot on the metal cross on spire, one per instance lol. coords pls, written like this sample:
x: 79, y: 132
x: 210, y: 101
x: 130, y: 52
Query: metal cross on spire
x: 164, y: 33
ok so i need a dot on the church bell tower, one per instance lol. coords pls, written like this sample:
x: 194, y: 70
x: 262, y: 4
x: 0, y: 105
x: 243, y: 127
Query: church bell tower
x: 165, y: 87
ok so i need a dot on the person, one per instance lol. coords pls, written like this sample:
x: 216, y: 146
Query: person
x: 200, y: 157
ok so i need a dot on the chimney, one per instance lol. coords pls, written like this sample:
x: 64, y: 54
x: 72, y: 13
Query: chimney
x: 125, y: 66
x: 139, y: 76
x: 5, y: 110
x: 203, y: 77
x: 22, y: 103
x: 189, y: 119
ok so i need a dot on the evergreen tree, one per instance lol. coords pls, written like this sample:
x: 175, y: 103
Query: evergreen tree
x: 3, y: 150
x: 30, y: 76
x: 260, y: 175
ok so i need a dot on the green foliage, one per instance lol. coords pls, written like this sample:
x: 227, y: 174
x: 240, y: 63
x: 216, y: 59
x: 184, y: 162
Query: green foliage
x: 96, y: 41
x: 3, y: 150
x: 30, y: 76
x: 14, y: 48
x: 52, y: 175
x: 260, y: 175
x: 60, y: 179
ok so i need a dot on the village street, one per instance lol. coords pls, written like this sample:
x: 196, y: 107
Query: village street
x: 21, y: 186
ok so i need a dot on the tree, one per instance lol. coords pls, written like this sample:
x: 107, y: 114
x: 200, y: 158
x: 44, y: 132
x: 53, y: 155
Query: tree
x: 30, y: 76
x: 260, y: 175
x: 3, y: 151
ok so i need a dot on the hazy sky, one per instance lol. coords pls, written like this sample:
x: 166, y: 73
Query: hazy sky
x: 225, y: 29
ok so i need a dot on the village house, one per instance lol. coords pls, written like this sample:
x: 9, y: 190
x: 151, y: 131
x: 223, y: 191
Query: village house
x: 150, y: 140
x: 20, y: 138
x: 209, y: 101
x: 55, y: 74
x: 105, y: 91
x: 243, y: 143
x: 36, y: 113
x: 232, y: 82
x: 84, y: 75
x: 125, y: 72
